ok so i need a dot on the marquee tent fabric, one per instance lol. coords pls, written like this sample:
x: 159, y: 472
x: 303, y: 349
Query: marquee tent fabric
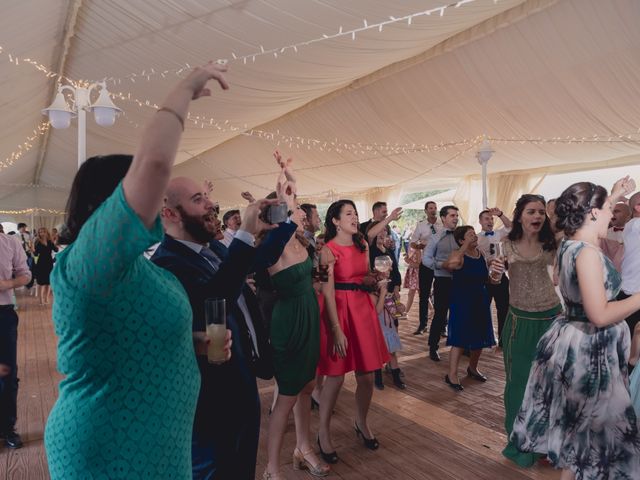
x: 369, y: 114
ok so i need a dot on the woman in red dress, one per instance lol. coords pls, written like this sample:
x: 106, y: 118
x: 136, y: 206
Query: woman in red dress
x: 350, y: 335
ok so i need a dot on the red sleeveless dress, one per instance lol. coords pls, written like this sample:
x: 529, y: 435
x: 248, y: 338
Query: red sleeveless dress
x: 366, y: 348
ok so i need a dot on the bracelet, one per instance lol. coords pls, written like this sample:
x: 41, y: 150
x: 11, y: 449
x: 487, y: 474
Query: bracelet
x: 176, y: 114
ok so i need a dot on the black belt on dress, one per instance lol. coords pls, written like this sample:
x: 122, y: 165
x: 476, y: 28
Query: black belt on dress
x: 7, y: 307
x: 352, y: 286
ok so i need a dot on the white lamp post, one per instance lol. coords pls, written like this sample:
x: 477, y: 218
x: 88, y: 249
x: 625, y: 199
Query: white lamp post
x: 60, y: 114
x: 483, y: 155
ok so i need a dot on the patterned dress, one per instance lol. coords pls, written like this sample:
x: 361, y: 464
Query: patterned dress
x: 127, y: 403
x: 577, y: 408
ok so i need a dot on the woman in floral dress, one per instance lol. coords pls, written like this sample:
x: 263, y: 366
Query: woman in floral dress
x: 576, y: 407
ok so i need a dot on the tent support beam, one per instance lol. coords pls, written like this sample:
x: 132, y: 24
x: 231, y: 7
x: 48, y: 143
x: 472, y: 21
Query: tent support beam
x: 60, y: 64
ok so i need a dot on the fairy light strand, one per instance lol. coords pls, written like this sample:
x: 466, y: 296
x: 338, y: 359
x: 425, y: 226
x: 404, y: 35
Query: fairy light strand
x: 25, y: 146
x: 277, y: 52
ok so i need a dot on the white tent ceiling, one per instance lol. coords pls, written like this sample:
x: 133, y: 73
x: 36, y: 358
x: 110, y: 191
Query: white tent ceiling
x: 510, y: 69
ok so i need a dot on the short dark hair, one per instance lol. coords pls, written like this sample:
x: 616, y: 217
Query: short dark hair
x: 486, y: 210
x: 444, y: 211
x: 95, y: 181
x: 22, y: 225
x: 460, y: 232
x: 378, y: 205
x: 228, y: 215
x: 427, y: 204
x: 307, y: 208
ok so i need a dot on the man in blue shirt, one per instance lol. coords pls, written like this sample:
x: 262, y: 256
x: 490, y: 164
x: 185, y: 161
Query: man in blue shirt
x: 435, y: 254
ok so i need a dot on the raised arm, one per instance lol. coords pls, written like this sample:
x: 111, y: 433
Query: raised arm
x: 147, y: 179
x: 378, y: 227
x: 500, y: 214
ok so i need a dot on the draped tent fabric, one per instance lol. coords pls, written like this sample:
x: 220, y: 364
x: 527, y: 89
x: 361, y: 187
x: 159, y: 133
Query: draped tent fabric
x: 511, y: 69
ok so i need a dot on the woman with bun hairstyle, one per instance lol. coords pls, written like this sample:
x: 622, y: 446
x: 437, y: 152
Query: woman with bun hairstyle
x: 577, y: 408
x: 350, y: 334
x: 533, y: 304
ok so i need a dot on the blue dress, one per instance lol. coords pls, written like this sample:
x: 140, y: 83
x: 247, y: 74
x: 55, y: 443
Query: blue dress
x: 469, y: 313
x: 126, y: 406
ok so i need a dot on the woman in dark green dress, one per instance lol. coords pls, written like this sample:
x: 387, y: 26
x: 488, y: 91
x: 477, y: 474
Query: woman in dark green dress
x: 295, y: 339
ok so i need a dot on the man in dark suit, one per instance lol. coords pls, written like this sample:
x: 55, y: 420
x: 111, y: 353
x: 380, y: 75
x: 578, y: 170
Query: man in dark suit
x: 227, y: 421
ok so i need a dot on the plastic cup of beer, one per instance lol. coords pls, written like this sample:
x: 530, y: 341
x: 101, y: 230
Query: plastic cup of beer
x: 215, y: 313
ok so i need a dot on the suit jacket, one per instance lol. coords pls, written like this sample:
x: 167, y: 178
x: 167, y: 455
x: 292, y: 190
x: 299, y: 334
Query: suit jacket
x: 228, y: 392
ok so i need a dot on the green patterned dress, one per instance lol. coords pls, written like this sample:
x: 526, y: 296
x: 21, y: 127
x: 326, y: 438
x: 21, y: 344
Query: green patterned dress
x: 577, y: 408
x: 126, y: 406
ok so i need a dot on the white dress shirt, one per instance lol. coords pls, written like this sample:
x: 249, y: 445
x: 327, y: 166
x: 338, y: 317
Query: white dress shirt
x: 631, y: 259
x: 229, y: 235
x: 425, y: 230
x: 487, y: 238
x: 616, y: 236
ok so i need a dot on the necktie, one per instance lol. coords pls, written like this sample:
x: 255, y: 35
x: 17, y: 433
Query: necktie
x: 618, y: 229
x: 488, y: 234
x: 207, y: 253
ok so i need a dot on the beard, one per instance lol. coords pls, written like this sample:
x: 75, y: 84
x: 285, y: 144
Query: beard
x: 197, y: 226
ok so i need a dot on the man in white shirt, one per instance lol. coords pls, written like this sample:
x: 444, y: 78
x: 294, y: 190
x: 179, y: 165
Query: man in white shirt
x: 232, y: 222
x: 486, y: 239
x: 631, y: 259
x: 423, y: 233
x: 621, y: 215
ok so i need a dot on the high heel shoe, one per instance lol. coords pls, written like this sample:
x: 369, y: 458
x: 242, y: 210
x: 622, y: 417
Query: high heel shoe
x: 477, y: 376
x: 455, y: 386
x: 300, y: 462
x: 370, y: 443
x: 330, y: 457
x: 314, y: 403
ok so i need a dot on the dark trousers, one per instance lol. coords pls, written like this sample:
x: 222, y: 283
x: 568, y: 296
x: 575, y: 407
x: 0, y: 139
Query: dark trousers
x: 500, y: 293
x: 230, y: 451
x: 8, y: 356
x: 425, y: 279
x: 633, y: 319
x: 441, y: 299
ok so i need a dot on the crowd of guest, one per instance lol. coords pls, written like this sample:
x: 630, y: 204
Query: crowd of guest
x: 306, y: 301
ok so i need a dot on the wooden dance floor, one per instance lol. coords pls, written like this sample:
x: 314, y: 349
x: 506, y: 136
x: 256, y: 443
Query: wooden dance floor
x: 427, y: 431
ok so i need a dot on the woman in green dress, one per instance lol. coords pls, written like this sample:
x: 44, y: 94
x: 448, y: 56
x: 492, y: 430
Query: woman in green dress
x: 125, y: 408
x: 295, y: 340
x: 533, y: 304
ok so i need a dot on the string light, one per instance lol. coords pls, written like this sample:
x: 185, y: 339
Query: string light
x: 146, y: 74
x: 16, y: 60
x: 25, y: 146
x: 34, y: 210
x: 34, y: 185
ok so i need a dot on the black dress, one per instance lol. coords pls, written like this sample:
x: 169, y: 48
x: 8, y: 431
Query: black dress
x: 44, y: 265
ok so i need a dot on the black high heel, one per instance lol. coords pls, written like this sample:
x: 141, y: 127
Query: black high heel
x: 478, y: 376
x: 370, y: 443
x: 331, y: 457
x: 455, y: 386
x: 314, y: 403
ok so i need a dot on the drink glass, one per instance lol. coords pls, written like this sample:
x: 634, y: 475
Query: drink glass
x: 215, y: 314
x: 496, y: 252
x: 383, y: 263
